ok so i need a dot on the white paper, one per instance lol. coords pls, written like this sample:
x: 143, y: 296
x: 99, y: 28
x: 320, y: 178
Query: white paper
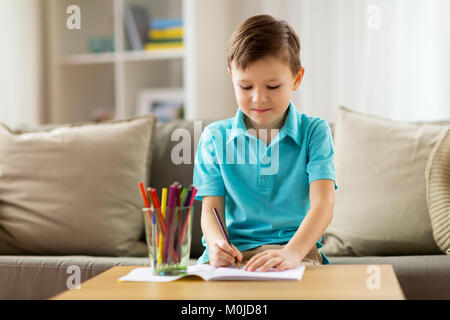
x: 207, y: 272
x: 146, y: 275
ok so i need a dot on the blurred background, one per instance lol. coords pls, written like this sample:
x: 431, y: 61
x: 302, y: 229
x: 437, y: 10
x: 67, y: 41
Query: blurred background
x: 65, y: 61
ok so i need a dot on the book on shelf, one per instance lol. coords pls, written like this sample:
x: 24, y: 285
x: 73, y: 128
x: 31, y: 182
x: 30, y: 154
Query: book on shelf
x: 153, y: 46
x: 165, y: 34
x: 136, y: 25
x: 165, y: 23
x: 170, y: 33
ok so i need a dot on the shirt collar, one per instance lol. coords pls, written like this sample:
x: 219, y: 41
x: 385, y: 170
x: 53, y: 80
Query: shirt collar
x: 290, y: 127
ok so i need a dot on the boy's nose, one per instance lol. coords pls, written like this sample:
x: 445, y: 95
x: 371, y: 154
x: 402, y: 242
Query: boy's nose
x: 259, y: 97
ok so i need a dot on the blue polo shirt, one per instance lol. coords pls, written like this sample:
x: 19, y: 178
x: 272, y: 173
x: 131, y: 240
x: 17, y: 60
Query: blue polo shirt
x: 266, y: 188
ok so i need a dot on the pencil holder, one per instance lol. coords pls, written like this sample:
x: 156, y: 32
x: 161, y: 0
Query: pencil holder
x: 168, y: 232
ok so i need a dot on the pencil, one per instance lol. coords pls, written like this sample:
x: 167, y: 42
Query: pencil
x: 221, y: 226
x: 144, y: 197
x: 222, y: 229
x: 153, y: 235
x: 163, y: 212
x: 191, y: 202
x: 168, y: 236
x: 159, y: 218
x: 180, y: 222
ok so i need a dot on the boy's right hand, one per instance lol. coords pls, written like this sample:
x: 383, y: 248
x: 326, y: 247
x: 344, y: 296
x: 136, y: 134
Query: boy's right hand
x: 221, y: 254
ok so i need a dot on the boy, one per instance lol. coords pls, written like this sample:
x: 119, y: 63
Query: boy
x: 277, y: 198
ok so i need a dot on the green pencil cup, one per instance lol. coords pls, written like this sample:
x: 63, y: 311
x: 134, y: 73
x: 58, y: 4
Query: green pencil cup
x: 168, y: 233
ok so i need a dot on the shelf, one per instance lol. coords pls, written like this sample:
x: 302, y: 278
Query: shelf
x: 88, y: 58
x: 84, y: 82
x: 128, y: 56
x: 159, y: 54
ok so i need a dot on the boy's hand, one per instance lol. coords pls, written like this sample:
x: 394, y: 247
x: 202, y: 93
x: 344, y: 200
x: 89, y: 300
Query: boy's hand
x: 279, y: 259
x: 221, y: 254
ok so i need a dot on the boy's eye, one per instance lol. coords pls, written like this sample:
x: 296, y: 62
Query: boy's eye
x: 272, y: 88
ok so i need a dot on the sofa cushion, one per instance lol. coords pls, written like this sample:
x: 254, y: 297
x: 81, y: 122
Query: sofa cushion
x: 438, y: 192
x: 380, y: 207
x: 74, y: 189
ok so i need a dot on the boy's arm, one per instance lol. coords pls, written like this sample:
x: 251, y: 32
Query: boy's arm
x: 210, y: 228
x: 220, y: 252
x: 320, y: 215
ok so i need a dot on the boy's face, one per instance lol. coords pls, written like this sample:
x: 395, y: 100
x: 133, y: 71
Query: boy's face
x: 263, y: 91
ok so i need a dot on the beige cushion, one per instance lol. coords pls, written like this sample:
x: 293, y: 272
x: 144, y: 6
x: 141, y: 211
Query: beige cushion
x: 438, y: 192
x: 380, y: 206
x: 74, y: 189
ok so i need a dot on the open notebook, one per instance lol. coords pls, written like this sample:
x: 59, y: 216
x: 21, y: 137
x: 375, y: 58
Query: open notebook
x: 207, y: 272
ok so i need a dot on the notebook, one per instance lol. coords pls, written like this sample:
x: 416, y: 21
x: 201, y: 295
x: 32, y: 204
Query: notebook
x: 208, y: 272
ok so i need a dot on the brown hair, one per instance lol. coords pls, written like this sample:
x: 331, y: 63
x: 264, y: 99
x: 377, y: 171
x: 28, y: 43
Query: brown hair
x: 261, y: 36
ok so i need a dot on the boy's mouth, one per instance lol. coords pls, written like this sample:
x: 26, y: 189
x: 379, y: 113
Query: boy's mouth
x: 261, y: 110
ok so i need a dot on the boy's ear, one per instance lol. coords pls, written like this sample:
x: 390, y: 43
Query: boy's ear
x: 229, y: 71
x: 298, y: 78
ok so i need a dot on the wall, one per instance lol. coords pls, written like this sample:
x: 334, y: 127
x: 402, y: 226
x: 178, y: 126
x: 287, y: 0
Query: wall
x: 22, y: 57
x: 207, y: 83
x: 398, y: 68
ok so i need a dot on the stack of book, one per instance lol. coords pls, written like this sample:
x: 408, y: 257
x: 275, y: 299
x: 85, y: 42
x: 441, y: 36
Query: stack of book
x: 165, y: 34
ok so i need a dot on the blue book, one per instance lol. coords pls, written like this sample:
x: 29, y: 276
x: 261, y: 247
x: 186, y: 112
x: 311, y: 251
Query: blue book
x: 165, y: 23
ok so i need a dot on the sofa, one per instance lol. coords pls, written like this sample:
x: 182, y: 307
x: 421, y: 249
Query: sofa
x: 31, y: 271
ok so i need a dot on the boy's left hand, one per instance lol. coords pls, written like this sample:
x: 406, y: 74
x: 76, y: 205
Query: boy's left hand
x: 279, y: 259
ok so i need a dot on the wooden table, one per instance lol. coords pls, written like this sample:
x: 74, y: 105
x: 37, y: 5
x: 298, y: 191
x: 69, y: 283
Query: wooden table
x: 319, y: 282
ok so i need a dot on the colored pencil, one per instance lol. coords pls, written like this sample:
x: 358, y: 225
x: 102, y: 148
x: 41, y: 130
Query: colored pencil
x: 222, y: 228
x: 169, y: 219
x: 180, y: 222
x: 144, y: 197
x: 144, y: 194
x: 168, y: 241
x: 153, y: 235
x: 159, y: 217
x: 219, y: 222
x: 186, y: 223
x: 152, y: 205
x: 163, y: 212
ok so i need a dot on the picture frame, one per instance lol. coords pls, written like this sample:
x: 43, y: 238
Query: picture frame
x: 166, y: 103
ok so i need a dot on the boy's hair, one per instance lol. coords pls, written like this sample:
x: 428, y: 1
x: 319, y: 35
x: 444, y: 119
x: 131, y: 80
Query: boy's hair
x: 261, y: 36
